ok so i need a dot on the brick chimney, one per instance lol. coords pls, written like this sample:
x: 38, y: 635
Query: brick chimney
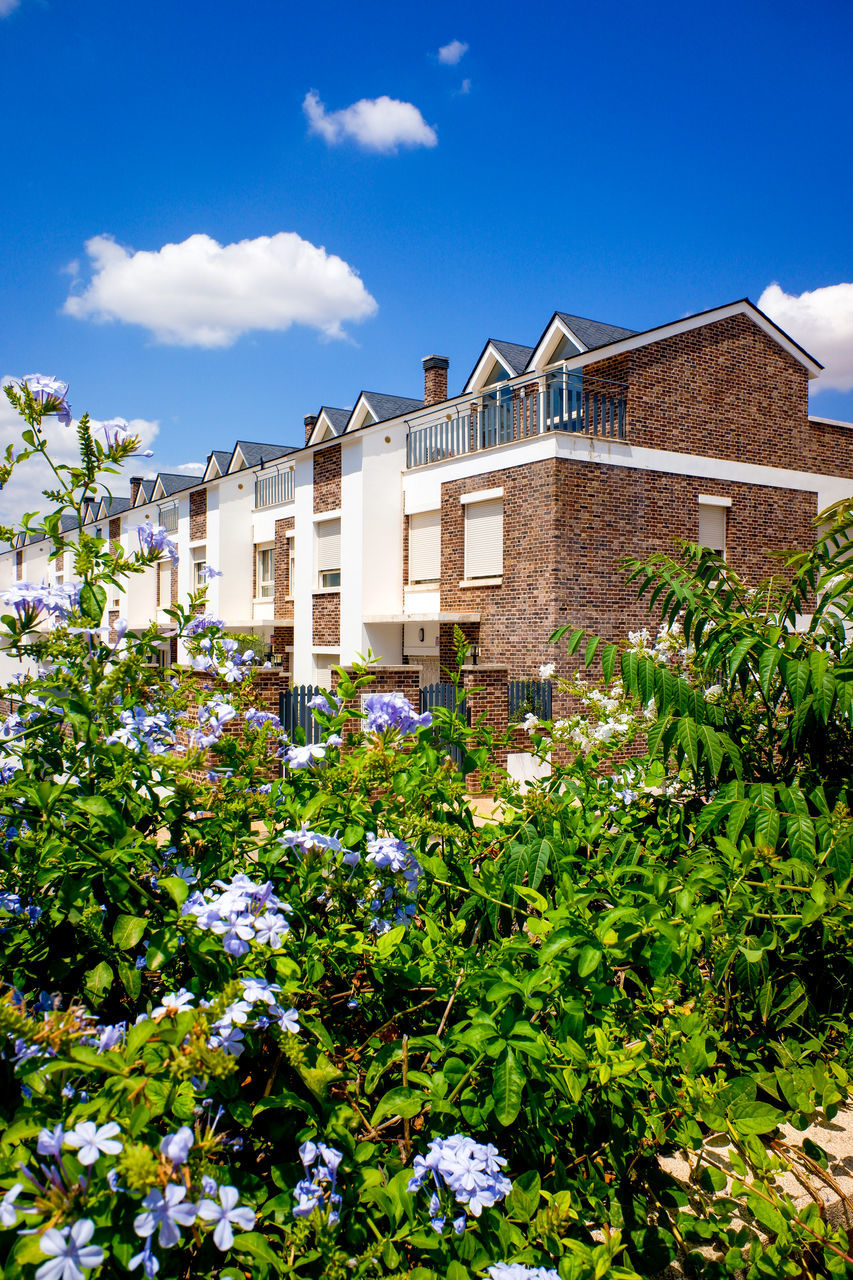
x: 135, y: 486
x: 310, y: 423
x: 435, y: 378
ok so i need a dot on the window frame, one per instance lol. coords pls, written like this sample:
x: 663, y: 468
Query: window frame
x: 264, y: 587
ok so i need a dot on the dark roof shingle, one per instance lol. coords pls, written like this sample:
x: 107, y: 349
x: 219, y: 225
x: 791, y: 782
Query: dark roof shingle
x: 386, y: 407
x: 595, y: 333
x: 515, y: 356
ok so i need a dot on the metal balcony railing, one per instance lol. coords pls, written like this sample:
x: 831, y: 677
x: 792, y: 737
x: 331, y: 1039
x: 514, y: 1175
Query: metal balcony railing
x: 168, y: 517
x: 560, y: 400
x: 274, y: 487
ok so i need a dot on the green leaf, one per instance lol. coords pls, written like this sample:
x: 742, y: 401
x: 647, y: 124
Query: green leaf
x: 754, y: 1117
x: 523, y: 1201
x: 507, y: 1088
x: 591, y: 650
x: 797, y: 675
x: 98, y: 981
x: 609, y: 654
x: 713, y: 748
x: 801, y: 836
x: 92, y: 602
x: 176, y: 887
x: 257, y: 1246
x: 128, y: 930
x: 402, y: 1101
x: 538, y: 864
x: 688, y: 737
x: 161, y: 949
x: 588, y: 961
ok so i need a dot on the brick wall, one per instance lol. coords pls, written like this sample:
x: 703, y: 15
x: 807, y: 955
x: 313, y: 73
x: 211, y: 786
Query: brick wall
x: 198, y: 515
x: 486, y: 696
x: 19, y: 565
x: 327, y: 478
x: 283, y: 606
x: 567, y: 527
x: 174, y: 591
x: 725, y: 390
x: 326, y: 619
x: 115, y: 532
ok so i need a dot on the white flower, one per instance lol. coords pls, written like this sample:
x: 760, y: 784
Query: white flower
x: 176, y: 1146
x: 546, y: 670
x: 93, y: 1141
x: 223, y: 1214
x: 174, y: 1003
x: 289, y: 1021
x: 8, y: 1212
x: 69, y: 1251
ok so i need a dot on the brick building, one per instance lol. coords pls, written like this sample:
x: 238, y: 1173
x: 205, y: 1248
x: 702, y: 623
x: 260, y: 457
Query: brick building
x: 505, y: 510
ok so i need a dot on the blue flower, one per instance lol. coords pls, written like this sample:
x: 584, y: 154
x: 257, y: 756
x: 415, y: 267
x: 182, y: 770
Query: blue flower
x: 393, y: 711
x: 69, y: 1251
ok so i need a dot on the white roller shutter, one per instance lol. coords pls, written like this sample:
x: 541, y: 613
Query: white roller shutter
x: 425, y: 547
x: 712, y: 528
x: 484, y: 539
x: 328, y: 546
x: 164, y: 584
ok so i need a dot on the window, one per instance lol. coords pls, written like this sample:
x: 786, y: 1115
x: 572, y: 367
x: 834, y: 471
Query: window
x: 265, y: 573
x: 712, y: 524
x: 484, y: 535
x: 425, y: 547
x: 329, y: 553
x: 164, y: 583
x: 199, y: 568
x: 291, y: 566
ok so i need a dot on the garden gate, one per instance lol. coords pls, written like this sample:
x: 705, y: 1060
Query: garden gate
x: 443, y: 694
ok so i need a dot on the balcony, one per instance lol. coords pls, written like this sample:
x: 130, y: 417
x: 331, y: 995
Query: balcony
x: 168, y: 517
x: 274, y: 487
x: 560, y: 400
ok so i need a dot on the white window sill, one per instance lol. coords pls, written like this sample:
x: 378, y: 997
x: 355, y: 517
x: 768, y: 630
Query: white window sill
x: 481, y: 582
x: 327, y: 591
x: 431, y: 585
x: 263, y: 600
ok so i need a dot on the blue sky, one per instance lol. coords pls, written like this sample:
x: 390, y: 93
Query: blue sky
x: 633, y: 163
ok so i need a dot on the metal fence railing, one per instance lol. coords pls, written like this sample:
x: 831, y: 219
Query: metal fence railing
x: 529, y: 697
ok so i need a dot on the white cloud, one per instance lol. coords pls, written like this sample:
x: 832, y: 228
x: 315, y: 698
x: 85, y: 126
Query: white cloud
x: 188, y: 469
x: 465, y: 87
x: 24, y: 490
x: 377, y: 124
x: 451, y: 54
x: 821, y: 320
x: 201, y: 293
x: 7, y: 7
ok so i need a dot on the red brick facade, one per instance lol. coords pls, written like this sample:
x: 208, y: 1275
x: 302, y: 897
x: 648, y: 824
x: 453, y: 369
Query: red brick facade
x: 725, y: 390
x: 326, y: 631
x: 327, y: 478
x: 198, y: 515
x: 283, y: 585
x: 19, y: 565
x: 567, y: 527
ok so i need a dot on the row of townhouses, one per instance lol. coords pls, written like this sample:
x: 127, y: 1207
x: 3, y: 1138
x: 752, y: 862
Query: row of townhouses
x: 505, y: 510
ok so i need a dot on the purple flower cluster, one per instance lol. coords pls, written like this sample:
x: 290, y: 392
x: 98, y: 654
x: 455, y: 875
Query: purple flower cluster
x: 393, y: 854
x: 393, y: 711
x: 320, y: 702
x: 212, y: 719
x: 243, y: 913
x: 518, y: 1271
x: 202, y: 623
x: 118, y: 433
x: 156, y: 538
x: 297, y: 757
x: 319, y: 1186
x: 229, y: 1027
x: 26, y: 597
x: 221, y: 657
x: 11, y: 902
x: 49, y: 392
x: 304, y: 840
x: 256, y: 719
x: 470, y: 1170
x: 141, y: 728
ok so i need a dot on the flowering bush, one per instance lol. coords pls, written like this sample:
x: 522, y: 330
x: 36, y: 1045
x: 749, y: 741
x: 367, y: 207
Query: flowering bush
x: 323, y: 1025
